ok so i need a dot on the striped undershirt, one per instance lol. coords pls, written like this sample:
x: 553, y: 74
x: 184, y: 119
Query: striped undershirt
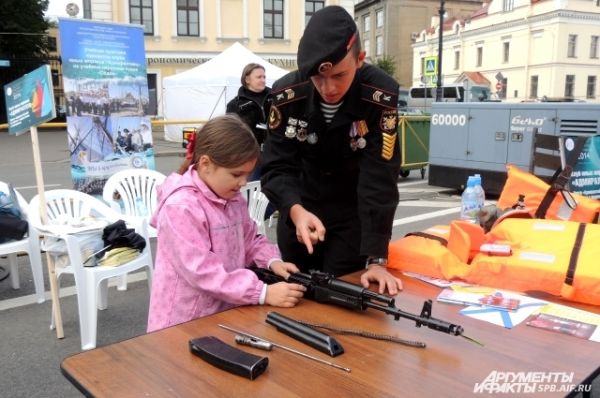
x: 329, y: 110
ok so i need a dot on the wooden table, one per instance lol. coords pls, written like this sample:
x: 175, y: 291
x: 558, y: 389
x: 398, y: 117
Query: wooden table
x: 160, y: 364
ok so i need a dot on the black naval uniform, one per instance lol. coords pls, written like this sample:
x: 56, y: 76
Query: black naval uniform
x: 344, y: 172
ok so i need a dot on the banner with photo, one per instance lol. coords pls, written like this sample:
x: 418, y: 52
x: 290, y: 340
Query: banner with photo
x: 106, y: 92
x: 585, y: 178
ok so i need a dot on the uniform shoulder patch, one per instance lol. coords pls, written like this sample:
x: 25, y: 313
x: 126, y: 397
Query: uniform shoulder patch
x: 289, y: 94
x: 379, y: 96
x: 274, y: 117
x: 389, y: 120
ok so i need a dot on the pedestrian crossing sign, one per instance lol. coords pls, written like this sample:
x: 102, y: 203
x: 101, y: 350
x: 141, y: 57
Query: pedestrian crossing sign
x: 430, y: 66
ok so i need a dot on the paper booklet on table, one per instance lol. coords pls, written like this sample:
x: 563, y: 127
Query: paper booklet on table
x: 567, y: 320
x: 477, y: 295
x: 435, y: 281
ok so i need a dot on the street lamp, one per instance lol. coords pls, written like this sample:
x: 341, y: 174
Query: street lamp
x: 438, y: 91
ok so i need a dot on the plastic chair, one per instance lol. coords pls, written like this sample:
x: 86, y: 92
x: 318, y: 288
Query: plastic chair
x: 257, y: 204
x: 29, y: 245
x: 138, y: 196
x: 137, y: 191
x: 66, y: 208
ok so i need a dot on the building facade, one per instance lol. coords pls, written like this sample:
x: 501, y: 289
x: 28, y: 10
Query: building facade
x: 388, y: 28
x: 181, y: 34
x: 527, y: 49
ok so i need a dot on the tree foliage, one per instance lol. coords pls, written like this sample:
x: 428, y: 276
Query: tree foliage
x: 387, y: 64
x: 23, y: 29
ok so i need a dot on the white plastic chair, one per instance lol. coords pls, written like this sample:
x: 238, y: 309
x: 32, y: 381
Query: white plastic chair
x: 66, y: 208
x: 29, y: 245
x: 137, y: 191
x: 138, y: 196
x: 257, y: 204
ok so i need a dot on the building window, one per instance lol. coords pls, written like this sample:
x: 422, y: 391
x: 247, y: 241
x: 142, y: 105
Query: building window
x: 569, y: 85
x: 591, y: 87
x: 188, y: 17
x: 379, y: 18
x: 310, y: 7
x: 52, y: 43
x: 508, y: 5
x: 505, y: 51
x: 273, y: 19
x: 479, y: 60
x: 502, y: 93
x: 594, y: 47
x: 379, y: 46
x: 572, y: 46
x: 533, y: 87
x: 141, y: 13
x: 367, y: 47
x: 367, y: 23
x: 456, y: 60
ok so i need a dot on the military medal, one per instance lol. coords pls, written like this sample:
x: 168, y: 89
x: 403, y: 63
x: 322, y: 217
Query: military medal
x: 290, y: 130
x: 358, y: 129
x: 301, y: 134
x: 361, y: 143
x: 353, y: 134
x: 312, y: 138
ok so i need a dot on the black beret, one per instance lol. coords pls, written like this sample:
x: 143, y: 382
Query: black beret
x: 327, y: 38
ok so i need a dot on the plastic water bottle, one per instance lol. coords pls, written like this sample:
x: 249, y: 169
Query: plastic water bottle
x: 479, y: 191
x: 140, y: 207
x: 469, y: 202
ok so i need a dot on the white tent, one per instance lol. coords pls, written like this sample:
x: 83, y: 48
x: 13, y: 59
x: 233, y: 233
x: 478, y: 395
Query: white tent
x: 203, y: 92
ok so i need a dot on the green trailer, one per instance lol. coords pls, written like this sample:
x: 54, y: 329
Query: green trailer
x: 414, y: 143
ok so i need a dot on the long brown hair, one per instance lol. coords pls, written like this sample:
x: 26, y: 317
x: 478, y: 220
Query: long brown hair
x: 226, y: 140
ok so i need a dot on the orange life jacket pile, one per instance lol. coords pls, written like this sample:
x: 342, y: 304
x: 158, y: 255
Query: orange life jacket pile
x: 552, y: 255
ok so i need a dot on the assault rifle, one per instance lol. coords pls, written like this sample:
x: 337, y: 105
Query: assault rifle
x: 325, y: 288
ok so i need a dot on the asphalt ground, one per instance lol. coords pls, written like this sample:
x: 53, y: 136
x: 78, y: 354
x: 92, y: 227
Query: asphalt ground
x: 31, y: 354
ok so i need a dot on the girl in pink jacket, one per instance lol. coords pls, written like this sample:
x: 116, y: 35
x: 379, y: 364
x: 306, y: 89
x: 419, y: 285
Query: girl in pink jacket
x: 206, y: 238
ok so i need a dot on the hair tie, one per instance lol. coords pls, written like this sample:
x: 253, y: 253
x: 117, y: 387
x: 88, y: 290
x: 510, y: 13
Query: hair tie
x: 189, y: 153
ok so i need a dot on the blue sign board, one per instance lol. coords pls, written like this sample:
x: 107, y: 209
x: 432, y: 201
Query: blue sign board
x: 29, y: 100
x: 585, y: 178
x: 106, y: 95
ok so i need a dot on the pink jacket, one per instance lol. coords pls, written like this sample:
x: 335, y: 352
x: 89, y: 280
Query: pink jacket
x: 204, y: 243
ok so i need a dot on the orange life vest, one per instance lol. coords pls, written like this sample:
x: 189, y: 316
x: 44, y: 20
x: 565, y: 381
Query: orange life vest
x: 534, y: 189
x: 557, y: 257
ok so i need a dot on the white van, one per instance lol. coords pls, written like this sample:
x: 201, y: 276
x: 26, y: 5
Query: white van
x: 422, y: 97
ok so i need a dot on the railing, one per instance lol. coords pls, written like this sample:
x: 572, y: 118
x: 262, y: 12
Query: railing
x: 4, y: 126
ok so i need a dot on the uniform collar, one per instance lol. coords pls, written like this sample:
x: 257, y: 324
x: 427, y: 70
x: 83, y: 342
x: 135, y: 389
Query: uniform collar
x: 352, y: 99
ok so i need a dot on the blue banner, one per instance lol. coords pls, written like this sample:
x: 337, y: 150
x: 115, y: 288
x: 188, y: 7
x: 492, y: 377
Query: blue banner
x: 106, y: 92
x: 585, y: 178
x: 29, y: 100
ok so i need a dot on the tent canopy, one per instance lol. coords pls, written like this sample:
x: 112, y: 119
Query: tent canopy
x: 203, y: 92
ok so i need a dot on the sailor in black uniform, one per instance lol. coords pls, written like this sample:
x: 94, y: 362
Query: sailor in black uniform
x: 331, y: 159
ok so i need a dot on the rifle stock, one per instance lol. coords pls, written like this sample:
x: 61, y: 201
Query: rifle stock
x: 325, y: 288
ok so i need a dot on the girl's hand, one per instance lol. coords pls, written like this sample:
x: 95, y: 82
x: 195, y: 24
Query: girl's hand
x: 283, y: 269
x: 283, y: 294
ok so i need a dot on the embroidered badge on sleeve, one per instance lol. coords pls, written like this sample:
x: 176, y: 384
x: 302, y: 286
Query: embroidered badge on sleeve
x: 388, y: 145
x: 274, y: 118
x: 389, y: 120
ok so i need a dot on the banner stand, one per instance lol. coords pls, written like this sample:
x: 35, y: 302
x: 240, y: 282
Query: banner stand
x: 39, y: 178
